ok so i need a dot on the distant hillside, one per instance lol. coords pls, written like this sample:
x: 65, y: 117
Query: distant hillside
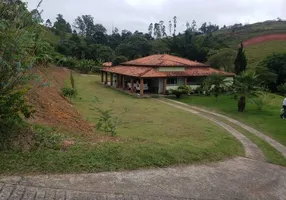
x: 260, y: 39
x: 235, y: 34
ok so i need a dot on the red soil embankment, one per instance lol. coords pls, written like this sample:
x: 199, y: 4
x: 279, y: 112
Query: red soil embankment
x: 51, y: 107
x: 264, y: 38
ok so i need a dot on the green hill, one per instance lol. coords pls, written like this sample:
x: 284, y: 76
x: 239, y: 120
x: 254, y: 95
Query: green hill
x: 256, y: 53
x: 234, y: 35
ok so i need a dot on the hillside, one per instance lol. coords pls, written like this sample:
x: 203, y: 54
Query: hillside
x: 233, y: 36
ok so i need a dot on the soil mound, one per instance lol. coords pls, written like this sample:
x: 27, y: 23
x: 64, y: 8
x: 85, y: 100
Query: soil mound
x: 51, y: 107
x: 264, y: 38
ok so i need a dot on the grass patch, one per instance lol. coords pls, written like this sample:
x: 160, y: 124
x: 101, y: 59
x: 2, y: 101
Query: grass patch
x: 267, y: 120
x: 152, y: 135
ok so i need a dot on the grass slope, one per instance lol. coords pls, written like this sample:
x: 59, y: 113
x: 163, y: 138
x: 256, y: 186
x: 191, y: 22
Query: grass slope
x: 258, y: 52
x: 152, y: 135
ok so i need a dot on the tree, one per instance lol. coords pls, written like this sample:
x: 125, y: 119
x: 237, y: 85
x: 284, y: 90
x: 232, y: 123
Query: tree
x: 134, y: 46
x: 246, y: 85
x: 85, y: 24
x: 100, y: 28
x: 61, y: 27
x: 240, y: 62
x: 203, y: 28
x: 170, y: 27
x: 175, y: 24
x: 194, y: 26
x: 157, y: 31
x: 150, y: 29
x: 115, y: 31
x: 188, y: 26
x: 80, y: 25
x: 276, y: 63
x: 218, y: 84
x: 48, y: 23
x: 162, y: 29
x: 18, y: 31
x: 223, y: 59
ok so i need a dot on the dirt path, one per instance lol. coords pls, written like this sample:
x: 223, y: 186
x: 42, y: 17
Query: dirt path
x: 239, y: 178
x: 251, y: 149
x: 279, y: 147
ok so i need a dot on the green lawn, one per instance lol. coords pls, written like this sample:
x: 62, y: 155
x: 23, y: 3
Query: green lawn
x: 152, y: 135
x: 267, y: 120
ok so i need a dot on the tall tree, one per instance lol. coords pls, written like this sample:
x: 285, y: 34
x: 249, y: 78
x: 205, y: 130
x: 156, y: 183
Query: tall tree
x: 61, y: 27
x: 150, y: 29
x: 170, y: 27
x: 157, y: 31
x: 188, y: 26
x: 240, y: 62
x: 85, y: 24
x: 48, y: 23
x: 194, y: 26
x: 175, y: 24
x: 162, y: 28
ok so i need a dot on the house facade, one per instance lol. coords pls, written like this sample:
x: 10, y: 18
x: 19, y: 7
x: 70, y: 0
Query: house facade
x: 157, y: 73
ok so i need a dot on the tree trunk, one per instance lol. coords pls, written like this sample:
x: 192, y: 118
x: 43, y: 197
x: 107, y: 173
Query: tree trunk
x: 241, y: 104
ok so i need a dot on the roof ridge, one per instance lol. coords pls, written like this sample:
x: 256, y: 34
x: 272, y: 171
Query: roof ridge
x: 148, y: 70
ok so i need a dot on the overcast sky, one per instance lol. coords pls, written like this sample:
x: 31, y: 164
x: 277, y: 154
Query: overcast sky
x: 138, y: 14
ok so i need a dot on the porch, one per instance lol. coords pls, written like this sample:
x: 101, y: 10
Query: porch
x: 147, y: 86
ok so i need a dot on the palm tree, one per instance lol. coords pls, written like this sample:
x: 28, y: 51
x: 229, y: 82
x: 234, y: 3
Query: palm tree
x: 246, y: 85
x: 217, y: 84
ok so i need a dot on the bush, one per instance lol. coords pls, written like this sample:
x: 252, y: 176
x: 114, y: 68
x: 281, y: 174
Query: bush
x: 282, y: 89
x: 71, y: 93
x: 180, y: 91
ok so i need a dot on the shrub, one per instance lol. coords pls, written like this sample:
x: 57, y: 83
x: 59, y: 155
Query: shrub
x: 108, y: 121
x: 181, y: 91
x: 71, y: 93
x: 262, y: 99
x: 282, y: 89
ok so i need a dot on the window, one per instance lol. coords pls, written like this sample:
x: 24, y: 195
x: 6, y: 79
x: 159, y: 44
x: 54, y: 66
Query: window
x: 195, y: 80
x: 172, y: 81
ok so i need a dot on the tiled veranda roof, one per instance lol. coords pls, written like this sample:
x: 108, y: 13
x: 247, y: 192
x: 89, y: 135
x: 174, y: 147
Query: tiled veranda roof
x: 150, y: 72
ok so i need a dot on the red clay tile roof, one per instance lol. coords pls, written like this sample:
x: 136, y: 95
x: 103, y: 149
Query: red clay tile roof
x: 150, y: 72
x: 163, y: 60
x: 107, y: 64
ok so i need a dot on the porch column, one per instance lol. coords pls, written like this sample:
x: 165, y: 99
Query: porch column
x: 106, y: 78
x: 141, y: 87
x: 123, y: 82
x: 117, y: 80
x: 186, y: 81
x: 132, y: 85
x: 164, y: 85
x: 102, y: 76
x: 111, y: 79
